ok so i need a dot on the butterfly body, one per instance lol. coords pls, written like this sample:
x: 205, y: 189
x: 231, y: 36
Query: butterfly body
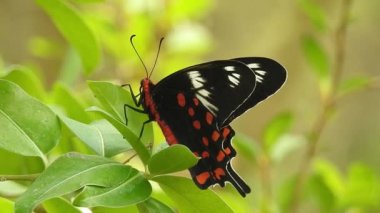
x: 195, y: 106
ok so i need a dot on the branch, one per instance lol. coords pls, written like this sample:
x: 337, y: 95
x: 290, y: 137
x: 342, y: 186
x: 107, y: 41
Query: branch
x: 328, y: 106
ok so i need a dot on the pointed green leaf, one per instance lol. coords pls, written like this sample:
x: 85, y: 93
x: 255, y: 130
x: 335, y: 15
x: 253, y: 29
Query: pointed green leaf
x: 132, y: 139
x: 315, y: 13
x: 317, y: 57
x: 355, y: 83
x: 285, y: 145
x: 70, y: 173
x: 154, y: 206
x: 75, y: 30
x: 113, y: 98
x: 27, y: 80
x: 278, y: 126
x: 100, y: 136
x: 27, y: 127
x: 134, y: 190
x: 189, y: 197
x: 172, y: 159
x: 362, y: 187
x: 72, y: 105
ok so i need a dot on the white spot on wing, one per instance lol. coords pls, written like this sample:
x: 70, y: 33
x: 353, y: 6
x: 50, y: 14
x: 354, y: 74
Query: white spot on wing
x: 260, y: 72
x: 237, y: 75
x: 196, y: 79
x: 254, y: 65
x: 211, y: 107
x: 204, y: 93
x: 259, y: 79
x: 229, y: 68
x: 233, y: 80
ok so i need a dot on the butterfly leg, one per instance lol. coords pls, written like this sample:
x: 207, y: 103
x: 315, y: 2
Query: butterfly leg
x: 134, y: 109
x: 143, y: 126
x: 134, y: 97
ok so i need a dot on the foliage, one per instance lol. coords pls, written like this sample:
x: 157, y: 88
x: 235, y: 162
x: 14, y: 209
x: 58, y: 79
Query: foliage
x: 77, y: 150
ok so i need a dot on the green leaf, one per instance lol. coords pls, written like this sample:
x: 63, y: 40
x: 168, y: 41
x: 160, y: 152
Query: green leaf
x: 189, y: 197
x: 6, y: 205
x: 127, y: 209
x: 72, y: 172
x: 100, y: 136
x: 17, y: 164
x: 11, y: 188
x: 134, y: 190
x: 316, y: 57
x: 278, y: 126
x: 27, y: 80
x: 315, y: 13
x: 285, y: 194
x: 246, y: 146
x: 59, y: 205
x: 154, y: 206
x: 354, y: 84
x: 172, y: 159
x: 331, y: 177
x: 286, y: 145
x: 319, y: 191
x: 75, y: 30
x: 363, y: 187
x: 113, y: 98
x: 73, y: 107
x: 132, y: 139
x: 27, y: 127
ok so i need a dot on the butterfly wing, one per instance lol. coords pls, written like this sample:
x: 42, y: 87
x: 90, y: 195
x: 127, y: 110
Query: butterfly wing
x: 220, y: 86
x: 270, y: 76
x: 193, y: 102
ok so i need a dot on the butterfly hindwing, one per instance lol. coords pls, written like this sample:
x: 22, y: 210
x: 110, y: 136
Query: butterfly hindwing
x: 196, y: 127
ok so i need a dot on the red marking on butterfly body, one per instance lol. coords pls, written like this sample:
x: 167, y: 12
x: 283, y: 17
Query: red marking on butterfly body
x: 151, y: 106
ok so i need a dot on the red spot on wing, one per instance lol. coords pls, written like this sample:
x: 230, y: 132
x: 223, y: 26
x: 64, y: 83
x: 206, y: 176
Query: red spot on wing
x: 196, y: 124
x: 205, y: 141
x: 215, y: 136
x: 190, y: 111
x: 219, y: 172
x: 205, y: 154
x: 181, y: 99
x: 202, y: 177
x: 196, y: 101
x: 220, y: 156
x: 196, y: 154
x: 227, y: 151
x: 226, y: 131
x: 209, y: 118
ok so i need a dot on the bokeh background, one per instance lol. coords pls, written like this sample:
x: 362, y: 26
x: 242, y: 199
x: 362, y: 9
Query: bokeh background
x: 343, y: 173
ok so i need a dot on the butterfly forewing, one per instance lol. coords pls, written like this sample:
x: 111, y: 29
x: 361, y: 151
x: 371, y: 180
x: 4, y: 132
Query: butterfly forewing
x: 220, y: 86
x: 270, y: 76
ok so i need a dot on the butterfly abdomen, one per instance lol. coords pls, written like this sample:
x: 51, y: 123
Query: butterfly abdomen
x: 150, y: 107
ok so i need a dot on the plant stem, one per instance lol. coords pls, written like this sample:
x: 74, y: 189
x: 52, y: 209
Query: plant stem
x: 30, y: 177
x: 328, y: 106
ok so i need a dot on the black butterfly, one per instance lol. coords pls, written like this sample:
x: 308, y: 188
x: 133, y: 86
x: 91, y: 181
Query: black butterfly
x: 195, y: 106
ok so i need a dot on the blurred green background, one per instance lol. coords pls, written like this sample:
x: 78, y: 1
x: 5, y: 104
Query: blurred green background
x: 343, y: 174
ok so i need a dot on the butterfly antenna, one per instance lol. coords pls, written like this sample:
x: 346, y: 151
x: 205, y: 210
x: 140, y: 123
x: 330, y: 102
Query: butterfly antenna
x: 155, y: 61
x: 134, y: 48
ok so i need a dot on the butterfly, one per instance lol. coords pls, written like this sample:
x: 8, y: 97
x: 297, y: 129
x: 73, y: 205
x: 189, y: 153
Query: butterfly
x: 195, y: 106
